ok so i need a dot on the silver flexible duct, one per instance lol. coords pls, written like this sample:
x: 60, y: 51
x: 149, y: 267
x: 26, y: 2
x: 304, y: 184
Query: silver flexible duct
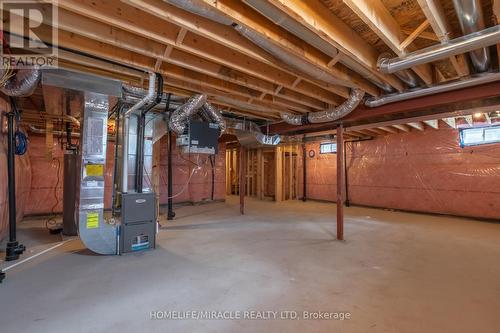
x: 328, y: 115
x: 471, y: 19
x: 180, y: 117
x: 449, y: 86
x: 23, y: 83
x: 150, y: 96
x: 452, y: 47
x: 199, y: 8
x: 289, y: 58
x: 215, y: 116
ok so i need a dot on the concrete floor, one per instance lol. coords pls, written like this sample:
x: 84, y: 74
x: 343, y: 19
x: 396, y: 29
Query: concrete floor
x: 396, y: 272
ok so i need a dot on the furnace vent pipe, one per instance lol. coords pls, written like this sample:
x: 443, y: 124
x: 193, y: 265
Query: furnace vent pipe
x: 126, y: 124
x: 473, y: 41
x: 23, y: 83
x: 327, y: 115
x: 470, y: 81
x: 471, y: 20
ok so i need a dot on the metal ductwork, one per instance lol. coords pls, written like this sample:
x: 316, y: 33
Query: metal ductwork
x: 471, y: 19
x: 291, y: 25
x: 327, y: 115
x: 249, y: 134
x: 180, y: 117
x: 150, y: 96
x: 23, y: 83
x: 453, y: 85
x: 289, y: 58
x: 453, y: 47
x: 199, y: 8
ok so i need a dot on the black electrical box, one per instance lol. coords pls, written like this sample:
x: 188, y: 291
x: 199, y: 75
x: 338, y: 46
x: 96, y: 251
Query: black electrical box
x: 200, y: 138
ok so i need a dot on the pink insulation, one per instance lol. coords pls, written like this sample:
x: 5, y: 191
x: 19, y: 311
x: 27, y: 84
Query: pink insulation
x: 416, y: 171
x: 45, y: 195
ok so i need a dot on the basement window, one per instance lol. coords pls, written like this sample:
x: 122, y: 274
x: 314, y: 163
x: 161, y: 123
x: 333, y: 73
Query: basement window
x: 479, y: 136
x: 328, y: 148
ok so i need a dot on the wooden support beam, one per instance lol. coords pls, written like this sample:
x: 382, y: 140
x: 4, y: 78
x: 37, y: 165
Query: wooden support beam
x: 432, y: 123
x: 260, y: 174
x: 380, y: 20
x: 417, y: 125
x: 469, y: 119
x: 408, y: 40
x: 388, y: 129
x: 434, y: 13
x: 335, y: 59
x: 223, y: 35
x: 402, y: 127
x: 423, y: 35
x: 242, y: 180
x: 240, y: 14
x: 340, y: 182
x: 278, y: 174
x: 450, y: 122
x: 315, y: 16
x: 150, y: 31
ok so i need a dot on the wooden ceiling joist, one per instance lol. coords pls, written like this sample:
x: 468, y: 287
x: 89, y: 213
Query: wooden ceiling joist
x: 374, y: 14
x: 317, y: 18
x: 154, y: 42
x: 242, y: 14
x: 434, y: 13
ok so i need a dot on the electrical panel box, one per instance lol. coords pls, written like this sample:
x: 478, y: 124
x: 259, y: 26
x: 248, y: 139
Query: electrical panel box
x: 138, y: 227
x: 200, y: 138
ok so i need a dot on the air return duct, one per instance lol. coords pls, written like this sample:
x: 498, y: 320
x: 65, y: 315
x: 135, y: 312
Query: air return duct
x: 180, y: 117
x: 327, y: 115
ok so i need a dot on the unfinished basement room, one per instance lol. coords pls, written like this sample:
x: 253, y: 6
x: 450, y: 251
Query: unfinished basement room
x: 250, y: 166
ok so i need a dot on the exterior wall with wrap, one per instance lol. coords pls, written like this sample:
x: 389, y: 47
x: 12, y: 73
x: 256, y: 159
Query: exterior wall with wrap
x: 416, y: 171
x: 43, y: 196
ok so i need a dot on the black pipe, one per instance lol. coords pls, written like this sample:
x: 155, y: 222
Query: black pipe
x: 115, y: 203
x: 14, y: 249
x: 170, y: 188
x: 212, y: 162
x: 139, y: 157
x: 304, y: 172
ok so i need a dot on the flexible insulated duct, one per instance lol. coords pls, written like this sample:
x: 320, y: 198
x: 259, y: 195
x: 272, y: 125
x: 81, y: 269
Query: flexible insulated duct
x: 328, y: 115
x: 23, y: 83
x: 471, y: 19
x: 215, y: 116
x: 180, y: 117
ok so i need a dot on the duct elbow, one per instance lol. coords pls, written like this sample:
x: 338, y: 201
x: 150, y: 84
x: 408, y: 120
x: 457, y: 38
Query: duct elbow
x: 23, y: 83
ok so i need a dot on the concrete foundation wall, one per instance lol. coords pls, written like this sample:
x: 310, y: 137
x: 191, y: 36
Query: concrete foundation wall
x: 417, y: 171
